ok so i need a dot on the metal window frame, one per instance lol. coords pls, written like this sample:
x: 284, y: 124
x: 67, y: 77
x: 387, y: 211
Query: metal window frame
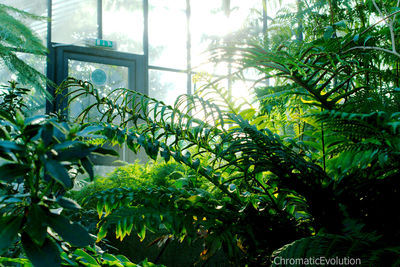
x: 62, y: 53
x: 52, y: 57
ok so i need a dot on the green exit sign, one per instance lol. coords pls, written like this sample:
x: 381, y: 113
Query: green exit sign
x: 100, y: 43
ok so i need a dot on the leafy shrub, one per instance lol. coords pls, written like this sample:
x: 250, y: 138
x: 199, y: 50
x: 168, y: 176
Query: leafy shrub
x: 319, y: 191
x: 151, y: 174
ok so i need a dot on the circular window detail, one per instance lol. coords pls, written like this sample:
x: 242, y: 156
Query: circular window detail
x: 99, y: 77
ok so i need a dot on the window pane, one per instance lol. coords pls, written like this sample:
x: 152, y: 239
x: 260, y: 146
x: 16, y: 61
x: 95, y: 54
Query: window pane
x: 123, y: 23
x: 167, y: 33
x: 167, y: 86
x: 246, y: 14
x: 37, y: 7
x: 74, y: 21
x: 206, y: 32
x: 104, y: 77
x: 219, y: 28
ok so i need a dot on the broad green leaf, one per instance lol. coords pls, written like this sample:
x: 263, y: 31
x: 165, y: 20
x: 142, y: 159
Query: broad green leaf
x: 105, y: 151
x: 73, y: 233
x: 68, y: 203
x: 56, y: 170
x: 9, y: 228
x: 19, y: 118
x: 10, y: 171
x: 84, y: 257
x: 36, y: 226
x: 88, y: 166
x: 10, y: 146
x: 41, y: 256
x: 74, y: 153
x: 35, y: 119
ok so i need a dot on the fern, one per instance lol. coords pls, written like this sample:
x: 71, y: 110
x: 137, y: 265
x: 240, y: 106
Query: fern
x: 17, y: 37
x: 338, y: 248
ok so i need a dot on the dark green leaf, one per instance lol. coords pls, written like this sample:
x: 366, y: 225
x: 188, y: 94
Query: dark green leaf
x: 68, y: 203
x: 70, y: 232
x: 10, y: 146
x: 47, y: 134
x: 41, y: 256
x: 31, y: 130
x: 88, y: 166
x: 9, y: 227
x: 10, y: 171
x: 74, y: 153
x: 56, y: 170
x: 36, y: 226
x: 105, y: 151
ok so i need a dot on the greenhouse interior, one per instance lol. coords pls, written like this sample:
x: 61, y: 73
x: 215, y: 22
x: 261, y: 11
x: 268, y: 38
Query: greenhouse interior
x: 199, y: 133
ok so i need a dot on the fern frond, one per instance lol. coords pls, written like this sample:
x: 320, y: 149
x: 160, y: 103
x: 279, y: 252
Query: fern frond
x: 17, y: 37
x: 330, y: 248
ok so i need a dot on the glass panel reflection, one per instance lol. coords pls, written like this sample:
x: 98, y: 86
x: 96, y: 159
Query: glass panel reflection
x: 115, y: 77
x: 73, y: 21
x: 167, y: 33
x: 166, y: 86
x: 123, y: 23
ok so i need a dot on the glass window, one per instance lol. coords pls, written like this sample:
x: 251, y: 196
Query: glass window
x: 246, y: 13
x: 166, y: 85
x: 167, y: 33
x: 123, y: 23
x: 105, y: 78
x: 73, y: 21
x: 212, y: 26
x: 208, y: 24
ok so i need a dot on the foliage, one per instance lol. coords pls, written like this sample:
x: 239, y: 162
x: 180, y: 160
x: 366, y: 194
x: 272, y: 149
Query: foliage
x: 16, y: 37
x: 40, y: 157
x: 319, y: 191
x: 136, y: 175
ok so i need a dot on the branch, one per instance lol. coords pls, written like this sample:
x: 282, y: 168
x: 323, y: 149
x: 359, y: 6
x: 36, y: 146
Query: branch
x: 389, y: 23
x: 373, y: 48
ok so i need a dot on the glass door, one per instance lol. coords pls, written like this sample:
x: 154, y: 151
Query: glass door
x: 106, y: 70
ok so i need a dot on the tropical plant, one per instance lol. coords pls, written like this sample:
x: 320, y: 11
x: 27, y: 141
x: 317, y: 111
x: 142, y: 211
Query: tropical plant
x: 318, y: 193
x: 40, y: 157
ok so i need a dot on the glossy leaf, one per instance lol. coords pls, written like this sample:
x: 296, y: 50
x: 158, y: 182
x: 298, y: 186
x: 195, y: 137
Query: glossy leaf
x: 68, y: 203
x: 41, y: 256
x: 9, y: 228
x: 56, y: 170
x: 36, y: 226
x: 73, y: 233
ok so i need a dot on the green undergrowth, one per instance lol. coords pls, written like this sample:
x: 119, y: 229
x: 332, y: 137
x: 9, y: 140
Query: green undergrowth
x: 151, y: 174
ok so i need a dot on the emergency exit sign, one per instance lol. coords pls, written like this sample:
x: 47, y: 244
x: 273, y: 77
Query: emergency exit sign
x: 100, y: 43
